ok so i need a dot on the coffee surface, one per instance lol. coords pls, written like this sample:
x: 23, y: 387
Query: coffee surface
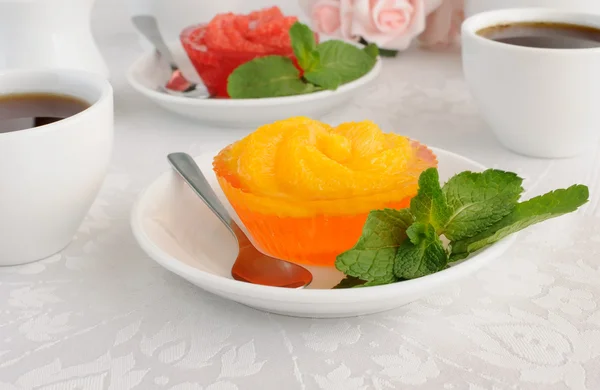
x: 546, y: 35
x: 28, y: 110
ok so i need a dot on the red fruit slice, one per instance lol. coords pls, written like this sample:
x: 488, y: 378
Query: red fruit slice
x: 230, y: 40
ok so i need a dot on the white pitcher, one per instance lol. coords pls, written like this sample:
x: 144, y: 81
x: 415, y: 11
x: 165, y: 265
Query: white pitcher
x: 48, y: 34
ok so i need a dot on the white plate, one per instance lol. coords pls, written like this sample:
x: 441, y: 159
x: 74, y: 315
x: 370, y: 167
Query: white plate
x: 145, y: 74
x: 177, y: 230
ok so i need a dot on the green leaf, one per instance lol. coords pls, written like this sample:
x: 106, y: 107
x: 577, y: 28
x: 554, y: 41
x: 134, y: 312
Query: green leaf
x: 479, y: 200
x: 372, y: 258
x: 352, y: 282
x: 374, y: 283
x: 305, y: 46
x: 426, y: 257
x: 429, y: 206
x: 349, y: 282
x: 324, y: 78
x: 525, y: 214
x: 381, y: 52
x: 415, y: 232
x: 388, y: 53
x: 372, y: 50
x: 340, y: 63
x: 269, y: 76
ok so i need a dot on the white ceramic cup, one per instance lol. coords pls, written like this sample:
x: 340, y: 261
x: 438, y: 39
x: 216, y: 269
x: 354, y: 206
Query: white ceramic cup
x: 50, y: 175
x: 587, y: 6
x: 538, y: 102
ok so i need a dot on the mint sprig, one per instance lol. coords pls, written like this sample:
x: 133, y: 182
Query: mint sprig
x: 305, y: 46
x: 473, y: 210
x: 525, y: 214
x: 270, y: 76
x: 324, y: 66
x: 381, y: 52
x: 352, y: 282
x: 372, y: 258
x: 422, y: 254
x: 430, y: 206
x: 339, y: 63
x: 372, y: 50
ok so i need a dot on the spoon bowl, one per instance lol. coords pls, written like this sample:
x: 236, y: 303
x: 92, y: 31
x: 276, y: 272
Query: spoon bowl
x: 251, y: 265
x: 177, y: 84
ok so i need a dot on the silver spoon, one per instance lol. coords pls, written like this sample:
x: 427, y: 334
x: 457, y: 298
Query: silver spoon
x: 251, y: 265
x: 177, y: 84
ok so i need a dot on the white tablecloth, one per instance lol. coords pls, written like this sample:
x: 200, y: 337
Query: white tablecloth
x: 102, y: 315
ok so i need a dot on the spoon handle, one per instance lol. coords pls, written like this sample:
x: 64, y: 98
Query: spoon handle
x: 185, y: 165
x: 148, y: 26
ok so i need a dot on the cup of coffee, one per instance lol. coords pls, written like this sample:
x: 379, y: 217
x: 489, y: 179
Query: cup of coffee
x: 534, y: 75
x: 587, y: 6
x: 56, y: 133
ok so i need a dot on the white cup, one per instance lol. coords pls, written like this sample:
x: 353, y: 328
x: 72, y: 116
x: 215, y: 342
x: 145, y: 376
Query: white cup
x: 587, y: 6
x: 51, y: 174
x: 538, y: 102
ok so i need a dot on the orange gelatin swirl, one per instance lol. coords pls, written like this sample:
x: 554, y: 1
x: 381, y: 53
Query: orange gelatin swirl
x: 303, y: 189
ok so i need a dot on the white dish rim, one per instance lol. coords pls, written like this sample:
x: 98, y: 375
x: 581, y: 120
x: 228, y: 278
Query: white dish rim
x: 225, y: 103
x: 298, y: 295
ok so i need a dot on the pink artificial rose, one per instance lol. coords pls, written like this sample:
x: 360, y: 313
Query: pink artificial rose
x: 391, y: 24
x: 330, y: 17
x: 443, y: 25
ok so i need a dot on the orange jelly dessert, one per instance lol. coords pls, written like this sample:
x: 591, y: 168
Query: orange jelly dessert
x: 303, y: 188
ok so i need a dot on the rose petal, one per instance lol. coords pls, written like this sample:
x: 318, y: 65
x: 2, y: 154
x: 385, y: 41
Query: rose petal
x: 346, y: 13
x: 409, y: 22
x: 443, y: 25
x: 326, y: 17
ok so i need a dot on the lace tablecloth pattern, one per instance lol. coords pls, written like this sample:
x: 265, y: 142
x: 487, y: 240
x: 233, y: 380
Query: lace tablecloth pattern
x: 102, y: 315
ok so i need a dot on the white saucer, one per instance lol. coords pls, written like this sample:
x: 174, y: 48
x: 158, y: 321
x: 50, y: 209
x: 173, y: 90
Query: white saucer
x: 145, y: 74
x: 178, y: 231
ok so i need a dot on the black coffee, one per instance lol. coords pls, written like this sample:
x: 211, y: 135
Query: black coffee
x: 545, y: 35
x: 27, y: 110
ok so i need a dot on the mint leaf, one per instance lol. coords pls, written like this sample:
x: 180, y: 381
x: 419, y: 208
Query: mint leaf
x: 372, y: 50
x: 373, y: 283
x: 424, y: 258
x: 349, y: 282
x: 381, y: 52
x: 269, y: 76
x: 352, y: 282
x: 429, y: 206
x: 325, y: 78
x: 525, y: 214
x: 372, y: 258
x: 340, y: 63
x: 415, y: 232
x: 388, y: 53
x: 305, y: 46
x: 479, y: 200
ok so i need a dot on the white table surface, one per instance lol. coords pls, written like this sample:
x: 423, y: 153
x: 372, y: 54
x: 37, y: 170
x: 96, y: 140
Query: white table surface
x: 102, y: 315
